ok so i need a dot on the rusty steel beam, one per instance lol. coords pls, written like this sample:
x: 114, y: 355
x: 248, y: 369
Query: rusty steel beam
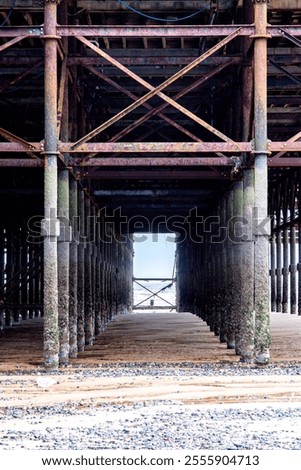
x: 129, y: 174
x: 158, y: 161
x: 145, y: 60
x: 21, y: 32
x: 146, y: 105
x: 156, y: 90
x: 295, y: 138
x: 21, y: 163
x: 183, y: 92
x: 149, y: 147
x: 10, y: 43
x: 156, y: 147
x: 27, y: 147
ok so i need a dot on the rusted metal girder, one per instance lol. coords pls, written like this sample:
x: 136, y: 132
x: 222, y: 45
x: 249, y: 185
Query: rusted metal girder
x: 21, y: 32
x: 27, y: 147
x: 146, y: 174
x: 157, y: 147
x: 21, y: 163
x: 154, y: 147
x: 158, y: 111
x: 153, y: 57
x: 155, y: 90
x: 154, y: 162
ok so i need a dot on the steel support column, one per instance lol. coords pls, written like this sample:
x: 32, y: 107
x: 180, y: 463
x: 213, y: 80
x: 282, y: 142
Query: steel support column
x: 81, y: 274
x: 89, y: 334
x: 51, y: 228
x: 246, y: 318
x: 237, y: 260
x: 261, y: 284
x: 230, y: 314
x: 63, y: 264
x: 73, y: 269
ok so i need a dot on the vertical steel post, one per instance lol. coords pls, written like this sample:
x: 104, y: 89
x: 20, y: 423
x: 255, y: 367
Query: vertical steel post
x: 73, y: 269
x: 293, y: 270
x: 81, y: 274
x: 63, y: 264
x: 285, y: 282
x: 247, y: 320
x: 262, y: 226
x: 273, y: 272
x: 51, y: 226
x: 237, y: 260
x: 299, y: 244
x: 224, y: 282
x: 279, y: 269
x: 230, y: 315
x: 88, y: 275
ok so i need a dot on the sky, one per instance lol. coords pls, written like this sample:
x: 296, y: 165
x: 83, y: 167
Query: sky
x: 153, y: 255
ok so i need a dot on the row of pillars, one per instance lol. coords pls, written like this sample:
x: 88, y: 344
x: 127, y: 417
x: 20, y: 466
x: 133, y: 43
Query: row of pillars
x: 285, y: 249
x: 91, y: 274
x: 87, y: 268
x: 21, y: 276
x: 224, y: 278
x: 218, y: 275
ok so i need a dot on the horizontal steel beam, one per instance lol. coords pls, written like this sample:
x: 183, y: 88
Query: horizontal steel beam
x: 148, y: 31
x: 149, y: 174
x: 156, y: 193
x: 157, y: 161
x: 21, y: 163
x: 157, y: 147
x: 149, y: 5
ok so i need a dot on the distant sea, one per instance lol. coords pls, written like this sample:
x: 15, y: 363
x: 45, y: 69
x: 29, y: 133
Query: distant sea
x: 144, y: 296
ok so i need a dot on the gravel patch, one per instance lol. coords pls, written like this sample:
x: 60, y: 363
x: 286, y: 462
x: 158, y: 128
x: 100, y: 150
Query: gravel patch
x: 157, y: 425
x: 153, y: 425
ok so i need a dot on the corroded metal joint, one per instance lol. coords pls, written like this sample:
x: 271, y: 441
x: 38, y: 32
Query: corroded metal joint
x: 50, y: 36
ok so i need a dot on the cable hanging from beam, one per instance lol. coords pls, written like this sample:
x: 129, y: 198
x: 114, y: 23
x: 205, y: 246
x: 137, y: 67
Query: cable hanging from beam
x: 154, y: 18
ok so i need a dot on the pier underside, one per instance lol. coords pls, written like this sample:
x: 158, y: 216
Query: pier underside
x: 120, y: 117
